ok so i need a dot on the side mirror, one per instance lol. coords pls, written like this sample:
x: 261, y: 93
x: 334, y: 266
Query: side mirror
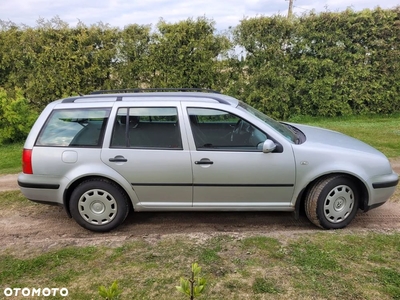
x: 268, y: 146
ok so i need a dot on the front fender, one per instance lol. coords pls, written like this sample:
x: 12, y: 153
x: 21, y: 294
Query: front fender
x: 309, y: 172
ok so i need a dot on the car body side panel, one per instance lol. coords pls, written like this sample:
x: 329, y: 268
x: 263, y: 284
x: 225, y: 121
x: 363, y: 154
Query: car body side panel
x: 158, y: 177
x: 232, y: 180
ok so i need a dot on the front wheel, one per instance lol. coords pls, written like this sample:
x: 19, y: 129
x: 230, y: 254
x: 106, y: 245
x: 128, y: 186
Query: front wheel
x: 332, y: 202
x: 98, y: 205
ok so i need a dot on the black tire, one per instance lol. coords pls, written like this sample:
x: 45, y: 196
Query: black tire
x: 98, y: 205
x: 332, y: 202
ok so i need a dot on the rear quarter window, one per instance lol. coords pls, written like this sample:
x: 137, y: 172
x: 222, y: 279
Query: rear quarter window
x: 74, y: 128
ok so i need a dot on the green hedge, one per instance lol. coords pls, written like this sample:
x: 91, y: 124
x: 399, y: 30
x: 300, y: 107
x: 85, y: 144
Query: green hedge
x: 16, y: 117
x: 326, y: 64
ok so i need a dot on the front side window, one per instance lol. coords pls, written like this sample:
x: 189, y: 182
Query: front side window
x: 147, y: 127
x: 219, y: 130
x: 74, y: 128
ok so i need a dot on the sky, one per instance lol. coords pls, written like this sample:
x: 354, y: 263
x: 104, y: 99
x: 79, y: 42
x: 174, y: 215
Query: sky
x: 119, y: 13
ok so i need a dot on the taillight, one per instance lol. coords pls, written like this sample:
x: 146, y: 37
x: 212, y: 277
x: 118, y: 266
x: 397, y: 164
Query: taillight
x: 27, y: 161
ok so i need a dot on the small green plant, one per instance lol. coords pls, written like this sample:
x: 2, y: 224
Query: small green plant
x: 112, y: 293
x: 193, y: 286
x: 263, y: 286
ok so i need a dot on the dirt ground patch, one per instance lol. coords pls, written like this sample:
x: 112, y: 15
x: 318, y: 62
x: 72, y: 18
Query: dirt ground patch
x: 8, y: 182
x: 43, y: 227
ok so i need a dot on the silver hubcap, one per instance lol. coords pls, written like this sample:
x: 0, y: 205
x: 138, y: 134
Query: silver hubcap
x: 97, y: 207
x: 339, y: 203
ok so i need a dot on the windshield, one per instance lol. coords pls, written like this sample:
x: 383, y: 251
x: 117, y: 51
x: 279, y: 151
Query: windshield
x: 281, y: 128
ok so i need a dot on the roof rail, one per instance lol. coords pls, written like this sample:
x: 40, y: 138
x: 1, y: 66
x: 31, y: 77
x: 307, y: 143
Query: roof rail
x: 139, y: 90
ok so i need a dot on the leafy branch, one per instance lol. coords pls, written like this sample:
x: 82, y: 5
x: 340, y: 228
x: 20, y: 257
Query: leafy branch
x: 193, y: 286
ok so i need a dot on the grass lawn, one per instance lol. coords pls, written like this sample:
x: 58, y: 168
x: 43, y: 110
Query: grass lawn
x: 325, y: 265
x: 10, y: 158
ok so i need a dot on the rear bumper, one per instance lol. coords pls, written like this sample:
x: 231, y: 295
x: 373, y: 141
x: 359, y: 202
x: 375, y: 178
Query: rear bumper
x: 44, y: 186
x: 42, y: 189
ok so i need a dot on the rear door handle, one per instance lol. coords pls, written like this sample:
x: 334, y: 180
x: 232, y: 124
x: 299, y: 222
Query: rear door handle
x: 118, y: 158
x: 204, y: 161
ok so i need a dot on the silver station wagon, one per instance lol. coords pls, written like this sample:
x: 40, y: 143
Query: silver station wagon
x: 104, y: 154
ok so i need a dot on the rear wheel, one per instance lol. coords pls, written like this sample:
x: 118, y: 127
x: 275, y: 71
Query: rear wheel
x: 98, y: 205
x: 332, y: 202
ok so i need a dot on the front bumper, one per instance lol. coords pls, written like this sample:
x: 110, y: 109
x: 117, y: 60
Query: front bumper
x: 382, y: 189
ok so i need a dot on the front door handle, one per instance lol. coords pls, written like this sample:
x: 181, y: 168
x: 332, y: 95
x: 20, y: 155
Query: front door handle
x: 118, y: 158
x: 204, y: 161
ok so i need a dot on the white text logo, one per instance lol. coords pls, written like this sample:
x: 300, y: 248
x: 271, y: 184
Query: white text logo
x: 32, y: 292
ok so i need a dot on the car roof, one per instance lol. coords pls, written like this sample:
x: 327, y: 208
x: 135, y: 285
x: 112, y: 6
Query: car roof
x: 199, y: 95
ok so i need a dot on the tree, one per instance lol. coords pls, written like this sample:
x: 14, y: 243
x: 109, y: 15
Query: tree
x: 184, y: 54
x: 267, y: 74
x: 133, y: 59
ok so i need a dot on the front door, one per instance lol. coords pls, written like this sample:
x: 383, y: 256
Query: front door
x: 229, y: 168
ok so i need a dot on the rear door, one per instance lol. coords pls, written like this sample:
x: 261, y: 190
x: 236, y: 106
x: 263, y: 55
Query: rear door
x: 147, y: 148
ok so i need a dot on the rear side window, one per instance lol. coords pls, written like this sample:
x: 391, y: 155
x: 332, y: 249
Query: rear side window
x: 74, y: 128
x: 147, y: 127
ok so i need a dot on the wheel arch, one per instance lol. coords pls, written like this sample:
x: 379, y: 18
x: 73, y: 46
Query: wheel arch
x: 362, y: 189
x: 68, y: 191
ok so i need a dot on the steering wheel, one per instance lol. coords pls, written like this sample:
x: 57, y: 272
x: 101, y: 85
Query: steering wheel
x: 241, y: 127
